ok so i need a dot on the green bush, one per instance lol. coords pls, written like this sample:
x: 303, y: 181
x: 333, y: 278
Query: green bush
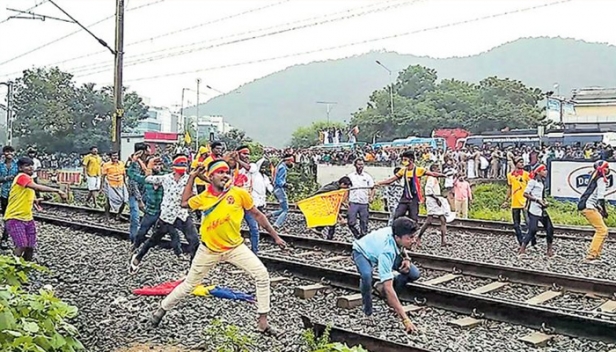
x: 32, y: 322
x: 323, y: 343
x: 226, y: 338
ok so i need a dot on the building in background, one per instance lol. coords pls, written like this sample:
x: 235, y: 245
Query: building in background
x: 210, y: 127
x: 160, y: 119
x: 593, y: 109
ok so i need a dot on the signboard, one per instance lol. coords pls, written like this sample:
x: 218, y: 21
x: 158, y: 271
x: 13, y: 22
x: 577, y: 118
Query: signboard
x: 569, y: 179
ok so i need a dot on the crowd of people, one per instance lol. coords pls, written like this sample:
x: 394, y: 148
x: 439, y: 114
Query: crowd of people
x: 226, y: 188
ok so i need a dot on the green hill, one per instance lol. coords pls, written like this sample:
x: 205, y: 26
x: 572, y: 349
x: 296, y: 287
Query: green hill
x: 269, y: 109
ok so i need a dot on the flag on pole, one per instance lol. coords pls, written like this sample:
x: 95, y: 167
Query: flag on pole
x: 187, y: 138
x: 322, y: 209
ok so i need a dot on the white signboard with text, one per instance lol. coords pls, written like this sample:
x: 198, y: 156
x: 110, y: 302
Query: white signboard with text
x: 569, y: 179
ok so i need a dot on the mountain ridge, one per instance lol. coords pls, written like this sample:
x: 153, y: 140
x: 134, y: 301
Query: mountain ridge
x: 270, y: 108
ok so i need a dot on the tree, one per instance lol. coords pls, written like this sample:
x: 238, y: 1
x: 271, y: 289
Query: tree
x: 308, y: 136
x: 55, y: 115
x: 421, y: 106
x: 235, y: 138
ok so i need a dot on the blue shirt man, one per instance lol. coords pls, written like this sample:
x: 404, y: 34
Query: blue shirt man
x: 8, y: 171
x: 381, y: 249
x: 280, y: 182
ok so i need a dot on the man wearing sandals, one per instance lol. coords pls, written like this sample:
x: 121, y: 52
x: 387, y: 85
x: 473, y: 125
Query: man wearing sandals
x: 381, y: 249
x: 223, y: 208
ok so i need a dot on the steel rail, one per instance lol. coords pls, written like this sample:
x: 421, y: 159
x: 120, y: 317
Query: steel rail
x: 491, y: 226
x: 478, y: 306
x: 498, y: 309
x: 476, y: 230
x: 571, y: 283
x: 373, y: 344
x: 352, y: 339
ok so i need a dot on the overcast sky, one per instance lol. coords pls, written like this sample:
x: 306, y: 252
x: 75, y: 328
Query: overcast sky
x: 163, y: 48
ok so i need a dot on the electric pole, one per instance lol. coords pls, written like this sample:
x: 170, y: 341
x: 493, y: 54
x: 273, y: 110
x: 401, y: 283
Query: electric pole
x: 9, y: 112
x: 118, y: 89
x: 328, y: 105
x: 197, y: 121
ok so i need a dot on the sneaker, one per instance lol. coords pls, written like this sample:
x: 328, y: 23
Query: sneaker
x: 133, y: 268
x: 157, y: 317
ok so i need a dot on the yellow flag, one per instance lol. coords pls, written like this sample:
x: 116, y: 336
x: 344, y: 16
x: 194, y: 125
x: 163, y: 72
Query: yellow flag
x: 322, y: 209
x: 187, y: 138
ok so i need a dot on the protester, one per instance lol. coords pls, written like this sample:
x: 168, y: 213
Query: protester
x: 113, y: 185
x: 593, y: 207
x: 436, y: 206
x: 537, y: 210
x: 359, y: 199
x: 343, y: 183
x: 381, y: 249
x: 221, y: 241
x: 92, y: 164
x: 8, y: 171
x: 19, y: 220
x: 517, y: 180
x: 463, y: 195
x: 280, y: 183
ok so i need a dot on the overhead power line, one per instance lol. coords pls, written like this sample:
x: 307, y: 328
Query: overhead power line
x: 366, y: 41
x: 75, y: 32
x: 26, y: 10
x: 167, y: 33
x: 101, y: 67
x: 102, y: 42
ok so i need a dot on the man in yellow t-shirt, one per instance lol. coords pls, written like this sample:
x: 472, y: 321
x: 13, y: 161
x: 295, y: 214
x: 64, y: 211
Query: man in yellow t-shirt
x: 113, y: 184
x: 223, y: 210
x: 92, y: 174
x: 411, y: 195
x: 18, y: 218
x: 516, y: 182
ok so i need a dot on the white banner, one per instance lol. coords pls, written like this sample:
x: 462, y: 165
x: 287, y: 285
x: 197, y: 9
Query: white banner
x: 569, y: 179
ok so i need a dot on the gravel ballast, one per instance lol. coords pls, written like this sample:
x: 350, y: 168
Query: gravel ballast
x: 90, y: 271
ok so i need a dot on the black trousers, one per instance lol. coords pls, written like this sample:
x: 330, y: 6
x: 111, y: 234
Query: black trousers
x: 533, y: 227
x: 331, y: 230
x: 410, y: 207
x: 4, y: 203
x: 518, y: 226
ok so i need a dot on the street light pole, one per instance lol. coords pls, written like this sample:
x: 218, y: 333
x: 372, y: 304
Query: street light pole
x: 197, y: 122
x: 391, y: 87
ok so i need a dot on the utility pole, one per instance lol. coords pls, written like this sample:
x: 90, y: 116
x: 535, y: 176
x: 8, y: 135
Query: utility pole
x: 184, y: 125
x: 118, y: 89
x: 9, y: 112
x: 328, y: 106
x: 197, y: 122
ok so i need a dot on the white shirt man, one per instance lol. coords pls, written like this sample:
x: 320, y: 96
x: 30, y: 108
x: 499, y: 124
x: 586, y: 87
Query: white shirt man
x: 361, y: 194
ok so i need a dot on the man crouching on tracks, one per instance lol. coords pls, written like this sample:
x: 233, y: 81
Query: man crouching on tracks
x: 381, y: 249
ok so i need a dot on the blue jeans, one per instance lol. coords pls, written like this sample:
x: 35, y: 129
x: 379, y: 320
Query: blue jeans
x: 281, y: 196
x: 364, y: 267
x: 253, y: 226
x: 133, y: 206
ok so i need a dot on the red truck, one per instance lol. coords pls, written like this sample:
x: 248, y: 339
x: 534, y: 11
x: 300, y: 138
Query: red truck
x: 451, y: 136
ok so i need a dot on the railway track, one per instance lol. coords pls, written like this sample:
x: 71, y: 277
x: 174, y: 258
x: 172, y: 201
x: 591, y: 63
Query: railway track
x: 329, y: 262
x: 471, y: 225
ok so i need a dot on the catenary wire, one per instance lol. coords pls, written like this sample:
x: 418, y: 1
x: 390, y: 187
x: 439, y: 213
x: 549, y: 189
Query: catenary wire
x: 165, y: 34
x: 73, y: 33
x: 366, y: 41
x: 100, y: 66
